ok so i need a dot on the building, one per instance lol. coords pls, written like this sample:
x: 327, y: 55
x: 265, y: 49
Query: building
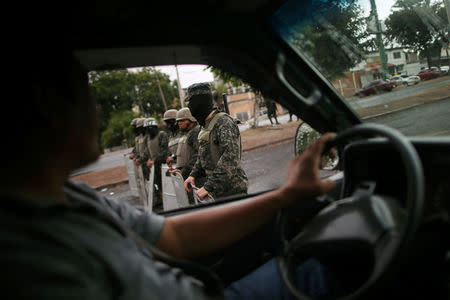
x: 399, y: 60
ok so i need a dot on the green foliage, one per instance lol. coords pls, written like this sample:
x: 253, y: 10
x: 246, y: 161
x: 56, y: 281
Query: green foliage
x: 335, y: 38
x: 119, y: 90
x: 226, y: 77
x: 118, y: 130
x: 419, y: 25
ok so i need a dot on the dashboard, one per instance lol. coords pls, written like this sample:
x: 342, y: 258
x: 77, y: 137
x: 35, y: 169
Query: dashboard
x: 377, y: 161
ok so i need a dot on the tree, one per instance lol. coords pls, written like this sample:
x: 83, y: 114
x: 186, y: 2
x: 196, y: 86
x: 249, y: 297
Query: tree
x: 420, y: 25
x: 120, y: 90
x: 118, y: 130
x: 338, y: 25
x: 226, y: 77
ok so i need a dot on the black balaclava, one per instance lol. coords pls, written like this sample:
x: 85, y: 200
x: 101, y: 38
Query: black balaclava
x: 172, y: 125
x: 152, y: 131
x: 201, y: 106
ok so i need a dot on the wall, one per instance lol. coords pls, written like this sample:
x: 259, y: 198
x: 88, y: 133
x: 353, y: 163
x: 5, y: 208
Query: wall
x: 349, y: 84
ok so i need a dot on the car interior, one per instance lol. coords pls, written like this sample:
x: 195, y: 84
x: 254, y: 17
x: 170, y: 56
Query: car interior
x: 384, y: 230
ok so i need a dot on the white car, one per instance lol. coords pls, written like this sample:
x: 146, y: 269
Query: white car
x: 411, y: 80
x: 445, y: 69
x: 399, y: 79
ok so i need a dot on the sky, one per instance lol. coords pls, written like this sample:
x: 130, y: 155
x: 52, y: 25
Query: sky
x: 190, y: 74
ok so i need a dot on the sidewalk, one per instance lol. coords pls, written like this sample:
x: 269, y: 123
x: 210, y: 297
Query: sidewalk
x: 252, y: 139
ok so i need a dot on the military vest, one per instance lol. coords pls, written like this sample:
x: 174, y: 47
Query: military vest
x: 140, y: 145
x: 153, y: 146
x: 173, y: 143
x: 204, y: 138
x: 183, y: 152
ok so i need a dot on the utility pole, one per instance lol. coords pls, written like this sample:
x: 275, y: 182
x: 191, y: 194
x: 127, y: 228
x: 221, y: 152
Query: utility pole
x: 447, y: 8
x: 379, y: 34
x: 161, y: 92
x: 179, y: 87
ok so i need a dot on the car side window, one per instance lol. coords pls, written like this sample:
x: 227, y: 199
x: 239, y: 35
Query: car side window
x: 267, y: 132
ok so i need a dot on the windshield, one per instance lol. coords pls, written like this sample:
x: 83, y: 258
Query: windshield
x: 355, y: 44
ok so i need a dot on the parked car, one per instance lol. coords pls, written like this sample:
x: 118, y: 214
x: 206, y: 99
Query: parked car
x: 427, y: 74
x: 411, y: 80
x: 398, y: 79
x: 444, y: 70
x: 375, y: 87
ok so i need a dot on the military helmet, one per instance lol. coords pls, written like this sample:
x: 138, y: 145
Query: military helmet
x: 184, y: 114
x: 140, y: 122
x: 203, y: 88
x: 170, y: 114
x: 133, y: 122
x: 150, y: 122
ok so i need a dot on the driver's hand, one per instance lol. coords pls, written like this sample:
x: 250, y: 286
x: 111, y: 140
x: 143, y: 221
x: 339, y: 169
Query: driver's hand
x: 303, y: 177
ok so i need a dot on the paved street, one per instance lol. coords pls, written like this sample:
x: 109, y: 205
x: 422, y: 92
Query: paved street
x: 266, y: 168
x: 398, y: 93
x: 430, y: 119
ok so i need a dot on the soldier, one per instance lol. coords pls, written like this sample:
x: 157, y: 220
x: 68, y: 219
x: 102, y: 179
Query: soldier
x: 136, y: 133
x: 187, y: 150
x: 157, y: 151
x: 140, y: 156
x: 271, y: 110
x: 175, y: 133
x: 219, y: 154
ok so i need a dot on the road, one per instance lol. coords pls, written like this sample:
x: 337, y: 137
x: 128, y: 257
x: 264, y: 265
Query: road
x: 107, y: 161
x: 430, y: 119
x: 266, y: 168
x: 397, y: 94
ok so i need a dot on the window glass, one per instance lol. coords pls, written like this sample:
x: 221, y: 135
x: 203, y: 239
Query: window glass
x: 368, y: 39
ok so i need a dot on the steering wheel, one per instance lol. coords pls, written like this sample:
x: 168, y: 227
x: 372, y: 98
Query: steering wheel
x: 375, y: 221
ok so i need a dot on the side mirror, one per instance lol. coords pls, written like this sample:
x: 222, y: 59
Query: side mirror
x: 304, y: 136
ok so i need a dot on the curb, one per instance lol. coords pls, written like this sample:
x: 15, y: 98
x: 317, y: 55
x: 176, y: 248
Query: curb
x: 404, y: 108
x: 98, y: 188
x: 267, y: 144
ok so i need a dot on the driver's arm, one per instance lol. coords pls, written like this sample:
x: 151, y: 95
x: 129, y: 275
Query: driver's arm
x: 202, y: 232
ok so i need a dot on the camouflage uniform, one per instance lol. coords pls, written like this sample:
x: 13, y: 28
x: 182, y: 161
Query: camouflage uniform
x: 219, y: 158
x: 187, y: 152
x: 174, y: 136
x: 141, y: 151
x: 157, y: 150
x: 173, y: 140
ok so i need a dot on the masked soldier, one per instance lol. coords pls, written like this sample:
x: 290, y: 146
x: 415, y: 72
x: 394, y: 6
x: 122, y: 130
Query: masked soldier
x: 219, y: 154
x: 140, y: 155
x: 157, y: 150
x: 136, y: 134
x: 175, y: 134
x: 187, y: 150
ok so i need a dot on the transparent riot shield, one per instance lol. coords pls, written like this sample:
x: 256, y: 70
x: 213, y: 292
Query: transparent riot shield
x: 150, y: 186
x: 132, y: 182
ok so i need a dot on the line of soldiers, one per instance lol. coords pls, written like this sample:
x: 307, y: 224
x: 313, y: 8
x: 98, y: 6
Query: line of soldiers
x: 203, y: 142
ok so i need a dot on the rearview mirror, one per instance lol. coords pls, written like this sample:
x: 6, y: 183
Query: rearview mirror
x: 304, y: 136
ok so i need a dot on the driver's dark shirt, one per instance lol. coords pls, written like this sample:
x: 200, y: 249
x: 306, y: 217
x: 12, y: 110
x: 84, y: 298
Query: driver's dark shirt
x: 72, y: 251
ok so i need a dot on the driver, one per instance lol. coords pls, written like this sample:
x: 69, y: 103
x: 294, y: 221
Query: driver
x: 61, y: 239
